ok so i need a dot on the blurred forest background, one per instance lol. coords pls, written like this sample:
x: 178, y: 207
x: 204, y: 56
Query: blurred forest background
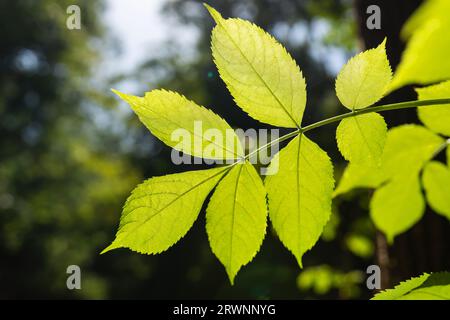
x: 70, y: 152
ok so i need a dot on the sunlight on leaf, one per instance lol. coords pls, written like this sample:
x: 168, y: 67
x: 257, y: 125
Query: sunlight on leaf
x: 437, y: 117
x: 436, y: 182
x: 435, y: 286
x: 358, y: 176
x: 397, y: 206
x: 182, y: 124
x: 261, y: 76
x: 407, y: 149
x: 161, y: 210
x: 236, y: 218
x: 300, y: 194
x: 364, y: 79
x: 361, y: 138
x: 425, y: 59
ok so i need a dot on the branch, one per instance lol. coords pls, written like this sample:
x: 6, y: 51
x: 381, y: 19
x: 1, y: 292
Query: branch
x: 386, y: 107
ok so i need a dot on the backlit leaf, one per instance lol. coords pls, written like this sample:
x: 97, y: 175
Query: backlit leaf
x: 436, y: 117
x: 435, y: 286
x: 425, y: 58
x: 407, y: 149
x: 261, y: 76
x: 300, y: 194
x: 397, y: 206
x: 184, y: 125
x: 161, y: 210
x: 236, y: 218
x: 436, y: 182
x: 361, y: 138
x: 358, y: 176
x: 364, y: 79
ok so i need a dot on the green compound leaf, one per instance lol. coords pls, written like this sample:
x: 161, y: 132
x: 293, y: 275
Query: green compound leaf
x: 437, y: 117
x: 436, y: 182
x: 184, y: 125
x: 361, y: 138
x: 435, y: 286
x: 161, y: 210
x: 261, y: 76
x: 299, y: 193
x: 425, y: 58
x: 364, y: 79
x: 406, y: 151
x: 236, y: 218
x: 397, y: 206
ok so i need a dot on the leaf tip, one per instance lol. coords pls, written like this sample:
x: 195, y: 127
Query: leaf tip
x: 117, y: 92
x: 299, y: 261
x: 231, y: 275
x: 213, y: 12
x: 112, y: 246
x: 121, y: 95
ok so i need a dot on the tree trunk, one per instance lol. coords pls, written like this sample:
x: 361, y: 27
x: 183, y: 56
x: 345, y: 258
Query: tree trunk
x: 425, y: 247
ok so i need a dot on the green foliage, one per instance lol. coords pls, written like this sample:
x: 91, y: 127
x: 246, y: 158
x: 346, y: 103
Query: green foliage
x: 408, y: 148
x: 434, y: 286
x: 425, y: 59
x: 364, y: 79
x: 362, y: 82
x: 361, y: 139
x: 159, y: 110
x: 359, y: 245
x: 243, y: 53
x: 397, y: 206
x: 237, y: 215
x: 322, y: 279
x: 436, y: 118
x: 436, y: 182
x: 267, y: 83
x: 300, y: 194
x: 162, y: 210
x: 151, y: 220
x: 358, y: 176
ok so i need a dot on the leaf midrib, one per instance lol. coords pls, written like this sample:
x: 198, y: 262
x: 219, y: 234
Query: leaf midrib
x: 298, y: 193
x: 171, y: 202
x: 365, y: 139
x: 233, y: 212
x: 257, y: 73
x: 223, y: 147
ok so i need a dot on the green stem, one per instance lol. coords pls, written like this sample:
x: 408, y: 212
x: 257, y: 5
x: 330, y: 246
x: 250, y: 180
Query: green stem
x: 386, y: 107
x: 278, y: 140
x: 318, y: 124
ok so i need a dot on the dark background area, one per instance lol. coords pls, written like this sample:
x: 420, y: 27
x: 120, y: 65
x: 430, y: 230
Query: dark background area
x: 64, y: 177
